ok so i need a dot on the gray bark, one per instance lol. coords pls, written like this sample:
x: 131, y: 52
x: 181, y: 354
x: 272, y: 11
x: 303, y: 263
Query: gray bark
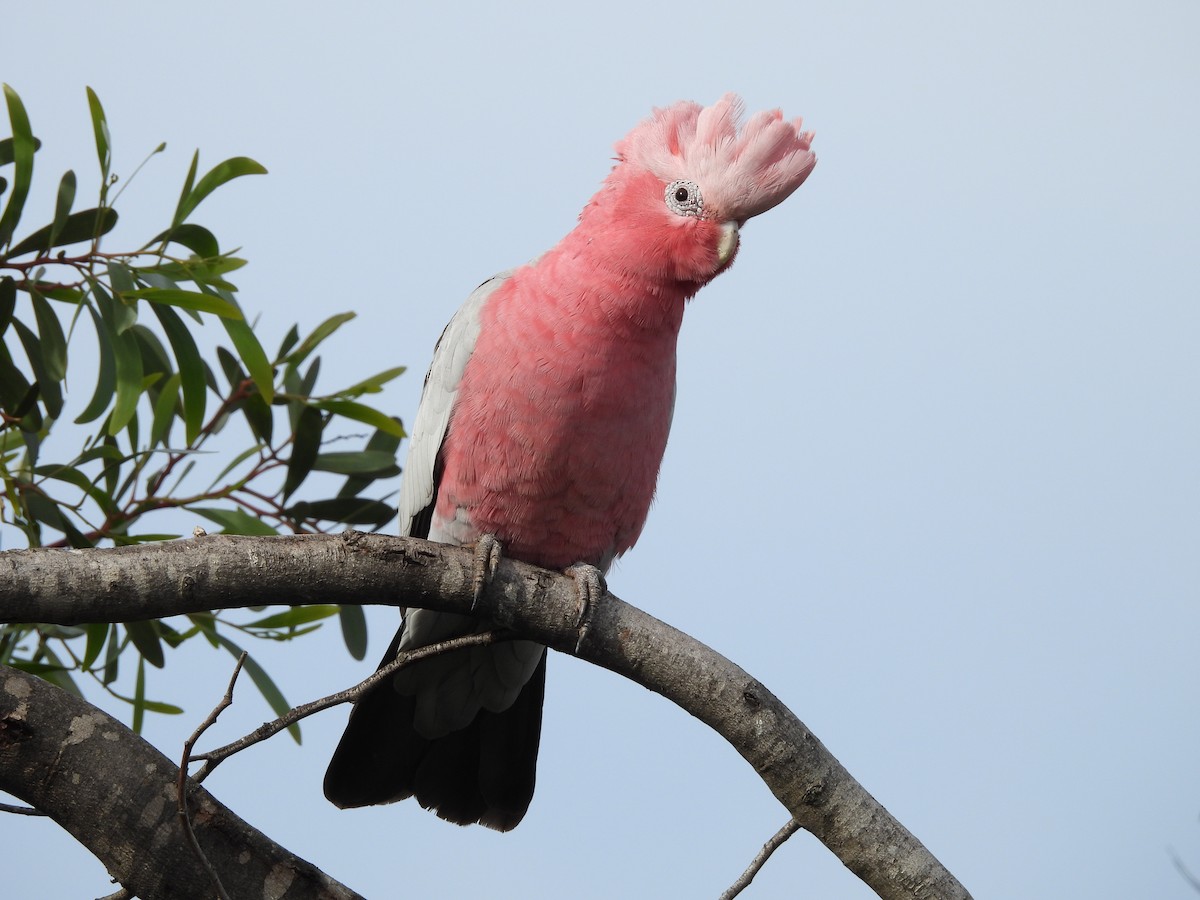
x: 220, y: 572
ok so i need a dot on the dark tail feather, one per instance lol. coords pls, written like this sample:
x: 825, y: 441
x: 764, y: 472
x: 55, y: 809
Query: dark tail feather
x: 484, y: 773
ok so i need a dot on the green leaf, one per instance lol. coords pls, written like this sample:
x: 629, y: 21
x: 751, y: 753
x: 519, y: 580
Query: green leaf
x: 196, y: 238
x: 6, y: 150
x: 380, y: 442
x: 8, y: 301
x: 188, y: 300
x: 100, y: 129
x: 23, y: 147
x: 191, y: 370
x: 379, y: 463
x: 354, y: 630
x: 145, y: 637
x: 253, y: 355
x: 119, y: 311
x: 97, y: 634
x: 322, y: 331
x: 54, y: 342
x: 234, y: 521
x: 81, y: 226
x: 348, y: 510
x: 49, y: 388
x: 165, y: 408
x: 139, y: 696
x: 294, y: 617
x: 305, y: 447
x: 127, y: 359
x: 289, y: 341
x: 62, y: 205
x: 361, y: 413
x: 375, y: 383
x: 263, y: 682
x: 219, y: 175
x: 106, y: 379
x: 71, y: 475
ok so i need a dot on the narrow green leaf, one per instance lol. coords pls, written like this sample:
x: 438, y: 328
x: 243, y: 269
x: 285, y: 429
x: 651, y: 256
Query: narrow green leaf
x: 165, y: 408
x: 106, y: 379
x: 112, y: 657
x: 188, y: 300
x: 233, y: 464
x: 81, y: 226
x: 217, y: 176
x: 23, y: 146
x: 54, y: 342
x: 348, y: 510
x: 375, y: 383
x: 305, y: 447
x: 120, y: 312
x: 196, y: 238
x: 379, y: 463
x: 128, y: 359
x: 49, y: 388
x: 354, y: 630
x: 139, y: 696
x: 145, y: 637
x: 294, y: 617
x: 289, y: 341
x: 361, y: 413
x: 263, y: 682
x: 62, y: 206
x: 7, y: 150
x: 191, y: 369
x: 180, y: 215
x: 97, y: 633
x: 100, y: 129
x: 322, y: 331
x: 234, y: 521
x: 8, y: 301
x: 71, y: 475
x: 380, y: 442
x: 253, y: 355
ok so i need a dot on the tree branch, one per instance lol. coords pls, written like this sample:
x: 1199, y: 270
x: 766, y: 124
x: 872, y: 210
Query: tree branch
x: 116, y: 794
x: 221, y: 572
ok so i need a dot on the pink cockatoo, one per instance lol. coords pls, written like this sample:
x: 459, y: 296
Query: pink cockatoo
x: 543, y: 424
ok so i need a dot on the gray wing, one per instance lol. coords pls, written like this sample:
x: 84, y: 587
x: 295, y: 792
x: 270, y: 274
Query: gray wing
x: 418, y: 487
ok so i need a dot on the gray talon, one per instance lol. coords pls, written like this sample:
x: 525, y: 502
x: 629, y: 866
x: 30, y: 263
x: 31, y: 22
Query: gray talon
x: 488, y: 552
x: 589, y: 586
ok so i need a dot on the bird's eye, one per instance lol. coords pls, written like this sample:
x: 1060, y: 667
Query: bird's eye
x: 683, y: 198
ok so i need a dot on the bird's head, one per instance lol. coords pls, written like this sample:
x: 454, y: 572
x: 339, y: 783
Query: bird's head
x: 686, y: 180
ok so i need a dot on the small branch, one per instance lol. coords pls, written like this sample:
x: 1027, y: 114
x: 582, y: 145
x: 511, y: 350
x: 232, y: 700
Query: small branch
x: 213, y: 758
x: 20, y: 810
x: 759, y: 861
x: 185, y: 817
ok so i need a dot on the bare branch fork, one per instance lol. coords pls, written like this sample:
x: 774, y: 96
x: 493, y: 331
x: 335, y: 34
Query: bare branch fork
x: 220, y: 572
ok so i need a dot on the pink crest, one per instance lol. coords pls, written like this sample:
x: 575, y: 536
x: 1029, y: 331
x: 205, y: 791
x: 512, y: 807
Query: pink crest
x: 742, y: 173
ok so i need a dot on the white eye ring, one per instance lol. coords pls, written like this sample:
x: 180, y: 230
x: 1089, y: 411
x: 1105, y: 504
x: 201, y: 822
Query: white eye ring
x: 683, y: 198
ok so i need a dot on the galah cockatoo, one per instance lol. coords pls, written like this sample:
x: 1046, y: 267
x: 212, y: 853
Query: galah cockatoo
x: 543, y: 424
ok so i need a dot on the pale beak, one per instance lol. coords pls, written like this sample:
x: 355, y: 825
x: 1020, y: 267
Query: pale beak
x: 728, y: 244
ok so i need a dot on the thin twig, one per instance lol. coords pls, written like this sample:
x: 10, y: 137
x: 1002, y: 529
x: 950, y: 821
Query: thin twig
x: 764, y: 854
x: 181, y: 783
x: 213, y: 758
x: 20, y: 810
x: 1185, y: 872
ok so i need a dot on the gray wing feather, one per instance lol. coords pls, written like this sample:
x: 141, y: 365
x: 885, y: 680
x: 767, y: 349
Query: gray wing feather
x: 450, y: 356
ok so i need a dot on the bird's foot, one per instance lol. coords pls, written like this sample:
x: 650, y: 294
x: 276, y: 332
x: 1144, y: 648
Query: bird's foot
x: 589, y: 586
x: 488, y: 552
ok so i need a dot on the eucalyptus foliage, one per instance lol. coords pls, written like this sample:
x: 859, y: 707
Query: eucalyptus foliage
x: 145, y: 439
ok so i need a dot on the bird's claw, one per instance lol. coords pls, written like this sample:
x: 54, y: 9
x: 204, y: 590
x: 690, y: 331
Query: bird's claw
x: 488, y: 552
x: 589, y: 586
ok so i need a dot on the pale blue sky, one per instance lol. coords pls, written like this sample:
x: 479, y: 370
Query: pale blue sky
x: 934, y: 469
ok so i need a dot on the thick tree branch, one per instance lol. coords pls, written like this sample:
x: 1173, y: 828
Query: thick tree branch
x: 116, y: 794
x: 220, y: 572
